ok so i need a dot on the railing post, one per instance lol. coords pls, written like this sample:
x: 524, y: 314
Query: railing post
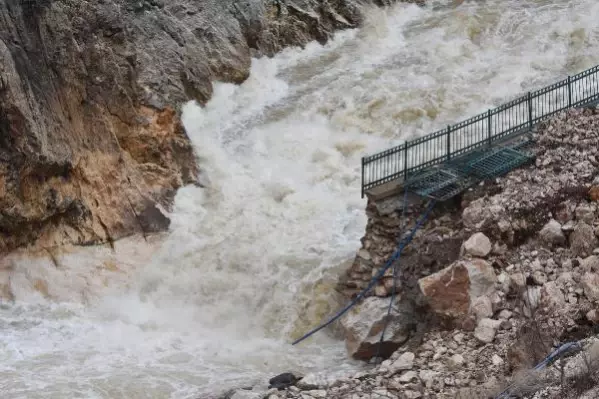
x: 448, y: 142
x: 363, y: 171
x: 490, y: 137
x: 405, y: 161
x: 529, y: 111
x: 569, y: 92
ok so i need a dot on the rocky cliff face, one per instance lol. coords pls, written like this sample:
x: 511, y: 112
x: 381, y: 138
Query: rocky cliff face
x: 90, y: 137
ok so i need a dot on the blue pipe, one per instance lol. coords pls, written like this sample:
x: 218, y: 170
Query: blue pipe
x: 403, y: 243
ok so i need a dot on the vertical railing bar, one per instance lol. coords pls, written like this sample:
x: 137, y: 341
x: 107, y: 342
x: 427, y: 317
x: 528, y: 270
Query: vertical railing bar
x: 396, y: 161
x: 387, y: 165
x: 569, y: 92
x: 589, y: 91
x: 371, y: 171
x: 376, y: 170
x: 370, y: 179
x: 379, y: 173
x: 362, y: 195
x: 529, y: 111
x: 541, y: 102
x: 383, y: 168
x: 405, y: 162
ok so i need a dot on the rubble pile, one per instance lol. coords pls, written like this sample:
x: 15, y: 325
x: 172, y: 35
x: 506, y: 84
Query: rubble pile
x: 489, y: 287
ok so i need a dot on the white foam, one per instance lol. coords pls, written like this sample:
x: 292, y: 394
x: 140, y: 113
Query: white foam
x: 251, y: 259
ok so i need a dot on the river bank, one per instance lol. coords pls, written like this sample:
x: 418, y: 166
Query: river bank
x: 516, y: 277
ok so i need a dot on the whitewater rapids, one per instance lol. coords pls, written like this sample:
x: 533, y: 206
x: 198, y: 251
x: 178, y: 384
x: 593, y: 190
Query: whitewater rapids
x: 251, y: 259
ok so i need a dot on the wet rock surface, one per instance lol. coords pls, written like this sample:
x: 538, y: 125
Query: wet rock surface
x: 282, y: 381
x: 90, y: 94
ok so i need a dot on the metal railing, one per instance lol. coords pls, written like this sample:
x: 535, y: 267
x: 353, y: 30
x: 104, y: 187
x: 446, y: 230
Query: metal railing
x: 512, y: 118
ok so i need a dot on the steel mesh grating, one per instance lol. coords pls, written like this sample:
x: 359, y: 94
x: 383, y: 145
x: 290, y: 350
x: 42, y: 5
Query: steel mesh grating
x: 445, y: 181
x: 497, y: 162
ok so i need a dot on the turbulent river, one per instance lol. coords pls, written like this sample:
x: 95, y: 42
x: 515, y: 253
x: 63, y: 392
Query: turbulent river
x: 251, y: 260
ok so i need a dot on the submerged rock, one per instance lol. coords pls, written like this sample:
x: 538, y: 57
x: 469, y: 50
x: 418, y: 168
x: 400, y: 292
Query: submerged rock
x: 282, y: 381
x: 243, y: 394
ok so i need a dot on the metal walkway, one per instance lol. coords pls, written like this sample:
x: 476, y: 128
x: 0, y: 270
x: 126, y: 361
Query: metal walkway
x: 442, y: 182
x: 444, y: 163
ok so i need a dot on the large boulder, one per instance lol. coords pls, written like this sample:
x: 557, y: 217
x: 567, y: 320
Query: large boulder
x: 451, y: 291
x: 364, y: 324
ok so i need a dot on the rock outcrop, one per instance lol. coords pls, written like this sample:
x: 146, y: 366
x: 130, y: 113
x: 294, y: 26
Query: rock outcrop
x: 90, y: 138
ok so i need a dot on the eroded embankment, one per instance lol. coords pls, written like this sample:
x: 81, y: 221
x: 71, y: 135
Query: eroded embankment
x: 490, y: 285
